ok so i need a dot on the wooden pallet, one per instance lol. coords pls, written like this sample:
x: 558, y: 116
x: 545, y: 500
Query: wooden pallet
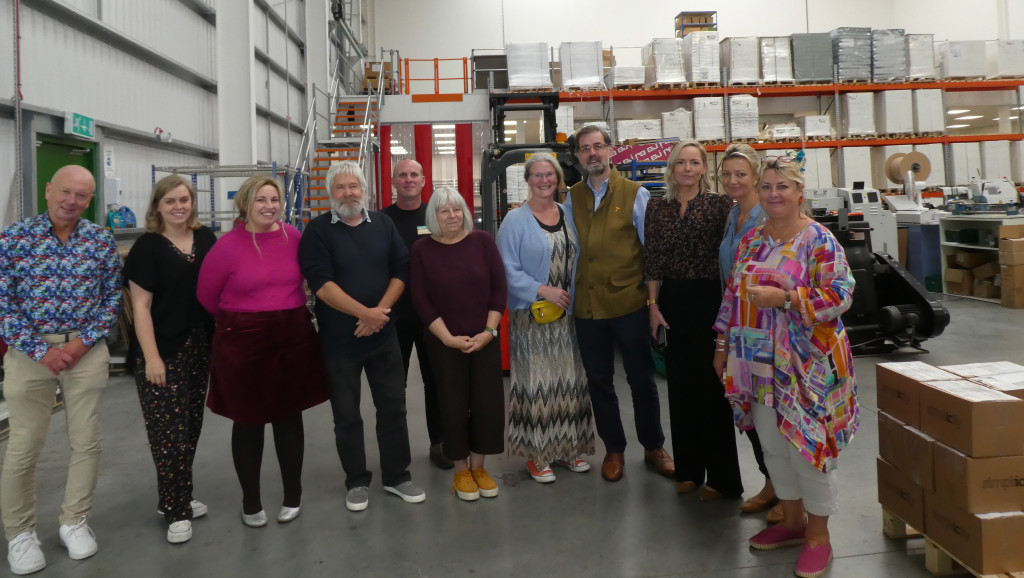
x: 705, y: 85
x: 779, y: 83
x: 894, y: 135
x: 859, y: 137
x: 583, y: 89
x: 789, y: 140
x: 930, y: 134
x: 629, y: 87
x: 964, y: 78
x: 819, y: 138
x: 531, y: 90
x: 745, y: 140
x: 810, y: 82
x: 667, y: 86
x: 716, y: 141
x: 922, y: 79
x: 744, y: 82
x: 1005, y: 77
x: 854, y: 82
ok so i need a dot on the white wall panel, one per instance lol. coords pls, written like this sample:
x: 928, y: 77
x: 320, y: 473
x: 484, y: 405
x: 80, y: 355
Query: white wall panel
x: 259, y: 28
x: 6, y: 44
x: 262, y: 139
x: 6, y: 172
x: 298, y: 108
x: 262, y: 77
x: 278, y: 94
x: 169, y: 27
x: 90, y: 7
x: 276, y: 41
x: 284, y: 144
x: 109, y: 85
x: 292, y: 12
x: 133, y: 165
x: 296, y: 61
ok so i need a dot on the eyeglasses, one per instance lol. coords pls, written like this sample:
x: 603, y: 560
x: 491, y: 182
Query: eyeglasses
x: 543, y: 175
x: 778, y: 159
x: 596, y: 148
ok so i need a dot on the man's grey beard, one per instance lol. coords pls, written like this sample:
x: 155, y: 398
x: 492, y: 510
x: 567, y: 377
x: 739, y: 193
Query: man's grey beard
x: 347, y: 209
x: 596, y: 170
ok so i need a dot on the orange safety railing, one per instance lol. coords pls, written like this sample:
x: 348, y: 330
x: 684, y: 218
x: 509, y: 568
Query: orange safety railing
x: 436, y: 78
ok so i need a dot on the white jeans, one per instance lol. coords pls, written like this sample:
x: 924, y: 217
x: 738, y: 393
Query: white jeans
x: 793, y: 476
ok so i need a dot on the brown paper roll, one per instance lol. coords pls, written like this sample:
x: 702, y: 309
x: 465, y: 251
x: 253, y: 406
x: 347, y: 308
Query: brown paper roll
x: 897, y: 165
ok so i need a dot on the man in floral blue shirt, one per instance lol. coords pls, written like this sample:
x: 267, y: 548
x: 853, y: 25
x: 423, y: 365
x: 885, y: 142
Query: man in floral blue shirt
x: 60, y: 295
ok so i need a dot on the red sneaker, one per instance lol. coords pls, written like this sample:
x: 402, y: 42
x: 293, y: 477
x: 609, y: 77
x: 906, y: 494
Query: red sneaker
x: 543, y: 475
x: 777, y: 536
x: 813, y: 561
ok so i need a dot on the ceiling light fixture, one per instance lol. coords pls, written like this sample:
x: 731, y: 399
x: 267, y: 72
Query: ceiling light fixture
x: 968, y: 117
x: 958, y: 110
x: 958, y: 126
x: 444, y: 126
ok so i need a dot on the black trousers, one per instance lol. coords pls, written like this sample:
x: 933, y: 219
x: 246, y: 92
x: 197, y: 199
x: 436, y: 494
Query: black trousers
x: 384, y: 373
x: 703, y: 432
x: 598, y: 339
x: 410, y: 332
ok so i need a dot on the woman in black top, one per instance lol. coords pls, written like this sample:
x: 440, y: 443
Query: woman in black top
x: 171, y: 349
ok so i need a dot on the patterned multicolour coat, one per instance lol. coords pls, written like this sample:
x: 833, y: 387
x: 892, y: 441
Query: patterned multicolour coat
x: 797, y: 361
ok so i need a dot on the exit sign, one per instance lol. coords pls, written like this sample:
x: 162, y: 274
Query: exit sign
x: 79, y: 125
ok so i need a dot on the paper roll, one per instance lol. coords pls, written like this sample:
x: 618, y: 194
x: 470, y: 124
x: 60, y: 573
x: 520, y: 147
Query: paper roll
x: 897, y: 165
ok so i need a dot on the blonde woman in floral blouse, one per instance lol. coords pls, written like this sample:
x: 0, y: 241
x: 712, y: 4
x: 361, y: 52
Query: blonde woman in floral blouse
x: 785, y: 360
x: 684, y: 230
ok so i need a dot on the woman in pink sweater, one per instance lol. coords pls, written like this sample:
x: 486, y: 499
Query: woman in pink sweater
x: 266, y: 365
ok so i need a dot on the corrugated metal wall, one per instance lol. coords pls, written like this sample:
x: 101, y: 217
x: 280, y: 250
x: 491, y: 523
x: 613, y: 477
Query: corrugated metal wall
x: 132, y: 164
x: 6, y: 171
x: 274, y: 91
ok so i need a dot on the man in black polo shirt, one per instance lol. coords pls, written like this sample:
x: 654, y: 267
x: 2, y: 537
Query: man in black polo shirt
x: 409, y: 214
x: 356, y: 264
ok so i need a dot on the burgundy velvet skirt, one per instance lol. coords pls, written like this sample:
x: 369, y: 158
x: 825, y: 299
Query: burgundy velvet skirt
x: 265, y: 366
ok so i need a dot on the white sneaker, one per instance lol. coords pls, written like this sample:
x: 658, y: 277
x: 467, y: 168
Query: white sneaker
x: 199, y: 509
x: 24, y: 555
x: 79, y: 540
x: 180, y: 531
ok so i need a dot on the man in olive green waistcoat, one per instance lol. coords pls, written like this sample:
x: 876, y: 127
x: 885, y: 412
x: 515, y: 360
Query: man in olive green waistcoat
x: 610, y: 302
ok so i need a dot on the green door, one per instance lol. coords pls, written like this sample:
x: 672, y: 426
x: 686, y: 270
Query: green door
x: 53, y: 153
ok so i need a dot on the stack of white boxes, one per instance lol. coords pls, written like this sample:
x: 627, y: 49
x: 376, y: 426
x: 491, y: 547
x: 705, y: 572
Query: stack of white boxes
x: 995, y: 159
x: 921, y: 57
x: 894, y: 112
x: 879, y: 155
x: 962, y: 58
x: 1005, y: 58
x: 663, y: 62
x: 851, y: 54
x: 776, y: 59
x: 888, y: 55
x: 812, y: 57
x: 677, y: 123
x: 856, y: 166
x: 565, y: 119
x: 582, y: 66
x: 817, y: 168
x: 929, y: 116
x: 638, y: 129
x: 816, y: 126
x: 966, y: 163
x: 528, y: 66
x: 933, y: 152
x: 741, y: 60
x: 743, y: 122
x: 708, y: 118
x: 858, y: 114
x: 1017, y: 161
x: 701, y: 57
x: 622, y: 76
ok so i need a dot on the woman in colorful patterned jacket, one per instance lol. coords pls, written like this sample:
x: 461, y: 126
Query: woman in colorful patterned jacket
x: 785, y: 360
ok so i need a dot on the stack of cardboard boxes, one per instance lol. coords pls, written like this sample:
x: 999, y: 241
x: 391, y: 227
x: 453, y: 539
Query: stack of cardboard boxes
x: 1011, y: 265
x: 372, y: 72
x: 951, y: 463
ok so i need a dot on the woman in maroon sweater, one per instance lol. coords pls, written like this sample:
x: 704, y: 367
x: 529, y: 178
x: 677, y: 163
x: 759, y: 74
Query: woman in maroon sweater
x: 459, y: 291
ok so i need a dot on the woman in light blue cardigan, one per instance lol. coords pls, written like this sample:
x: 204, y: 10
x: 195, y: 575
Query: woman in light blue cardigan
x: 550, y: 417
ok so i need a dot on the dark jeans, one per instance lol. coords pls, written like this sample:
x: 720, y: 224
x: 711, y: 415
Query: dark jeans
x: 597, y: 339
x: 384, y: 373
x: 410, y: 332
x: 703, y: 431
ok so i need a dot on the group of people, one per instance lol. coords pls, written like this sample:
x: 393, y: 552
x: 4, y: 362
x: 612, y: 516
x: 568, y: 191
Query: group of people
x: 746, y: 289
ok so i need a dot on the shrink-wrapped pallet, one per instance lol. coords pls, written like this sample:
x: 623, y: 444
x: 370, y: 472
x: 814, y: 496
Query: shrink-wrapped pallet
x: 894, y: 112
x: 741, y: 60
x: 1017, y: 162
x: 1005, y: 58
x: 858, y: 114
x: 966, y: 163
x: 888, y: 55
x: 851, y: 54
x: 921, y: 57
x: 709, y: 118
x: 625, y: 76
x: 812, y: 57
x: 933, y: 152
x: 879, y: 179
x: 962, y: 58
x: 995, y: 159
x: 743, y: 123
x: 776, y: 59
x: 816, y: 126
x: 701, y: 58
x: 528, y: 66
x: 677, y: 123
x: 929, y: 117
x: 817, y: 168
x: 581, y: 65
x: 856, y: 166
x: 638, y: 129
x: 663, y: 62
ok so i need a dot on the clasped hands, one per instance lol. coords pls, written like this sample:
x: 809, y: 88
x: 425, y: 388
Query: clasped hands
x: 763, y: 297
x: 467, y: 344
x: 556, y: 295
x: 372, y: 321
x: 57, y: 360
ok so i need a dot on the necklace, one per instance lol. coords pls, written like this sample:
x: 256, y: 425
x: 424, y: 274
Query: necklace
x: 788, y: 232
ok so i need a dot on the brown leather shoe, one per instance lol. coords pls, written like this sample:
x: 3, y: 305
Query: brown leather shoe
x: 611, y: 468
x: 661, y: 461
x: 709, y: 494
x: 775, y: 516
x: 685, y: 487
x: 754, y: 506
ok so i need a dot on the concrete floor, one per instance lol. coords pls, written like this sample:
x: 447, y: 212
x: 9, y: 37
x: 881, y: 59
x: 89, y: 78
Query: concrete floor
x: 578, y: 526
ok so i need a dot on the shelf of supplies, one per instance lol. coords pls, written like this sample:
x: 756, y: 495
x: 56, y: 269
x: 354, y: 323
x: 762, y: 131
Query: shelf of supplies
x: 966, y: 246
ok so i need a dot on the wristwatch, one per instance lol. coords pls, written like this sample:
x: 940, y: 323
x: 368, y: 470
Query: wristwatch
x: 788, y: 303
x: 652, y: 302
x: 492, y: 331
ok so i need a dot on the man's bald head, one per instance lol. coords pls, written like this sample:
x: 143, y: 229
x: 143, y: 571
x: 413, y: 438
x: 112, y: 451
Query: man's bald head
x: 68, y: 194
x: 408, y: 180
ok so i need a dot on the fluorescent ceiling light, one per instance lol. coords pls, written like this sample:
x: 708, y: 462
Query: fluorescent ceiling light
x: 396, y: 142
x: 997, y: 118
x: 511, y: 123
x: 449, y: 141
x: 399, y: 151
x: 958, y: 126
x: 446, y: 152
x: 958, y: 110
x: 968, y: 117
x: 443, y: 126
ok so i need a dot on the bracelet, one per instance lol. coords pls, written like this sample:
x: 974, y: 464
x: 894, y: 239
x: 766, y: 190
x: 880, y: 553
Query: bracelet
x: 720, y: 350
x: 719, y: 341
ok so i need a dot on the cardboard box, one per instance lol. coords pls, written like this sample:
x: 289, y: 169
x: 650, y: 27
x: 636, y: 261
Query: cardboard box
x: 973, y: 419
x: 898, y: 385
x: 902, y: 241
x: 969, y: 370
x: 979, y: 485
x: 990, y: 269
x: 970, y: 259
x: 959, y: 282
x: 1008, y: 383
x: 1012, y: 298
x: 894, y: 112
x: 987, y: 543
x: 900, y: 495
x: 906, y: 449
x: 1011, y: 251
x: 1012, y: 277
x: 985, y: 288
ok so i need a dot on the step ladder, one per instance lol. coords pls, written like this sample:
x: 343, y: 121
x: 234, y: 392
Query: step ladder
x: 353, y: 138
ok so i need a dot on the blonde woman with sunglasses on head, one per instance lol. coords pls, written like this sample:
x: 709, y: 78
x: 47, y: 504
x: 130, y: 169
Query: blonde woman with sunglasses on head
x: 786, y: 363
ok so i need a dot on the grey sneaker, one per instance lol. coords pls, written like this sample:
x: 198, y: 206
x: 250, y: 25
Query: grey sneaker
x: 357, y: 499
x: 408, y: 492
x: 24, y: 555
